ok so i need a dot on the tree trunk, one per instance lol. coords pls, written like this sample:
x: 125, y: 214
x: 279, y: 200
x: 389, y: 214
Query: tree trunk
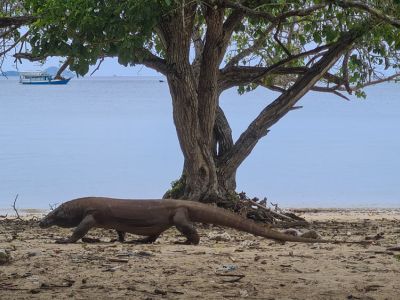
x: 63, y: 68
x: 201, y: 179
x: 195, y: 96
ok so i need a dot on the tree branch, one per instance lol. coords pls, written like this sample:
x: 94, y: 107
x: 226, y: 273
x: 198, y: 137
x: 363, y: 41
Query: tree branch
x: 16, y: 21
x: 271, y: 68
x: 256, y: 45
x: 66, y: 63
x: 329, y: 90
x: 320, y: 89
x: 198, y: 50
x: 249, y: 11
x: 28, y: 56
x: 345, y: 68
x: 14, y: 44
x: 283, y: 104
x: 209, y: 70
x: 223, y: 133
x: 372, y: 11
x: 154, y: 62
x: 7, y: 32
x: 235, y: 76
x: 301, y: 12
x: 98, y: 66
x: 271, y: 18
x: 372, y: 82
x: 149, y: 60
x: 233, y: 20
x: 276, y: 38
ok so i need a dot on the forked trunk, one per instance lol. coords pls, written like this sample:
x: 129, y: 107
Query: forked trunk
x: 200, y: 180
x: 211, y: 157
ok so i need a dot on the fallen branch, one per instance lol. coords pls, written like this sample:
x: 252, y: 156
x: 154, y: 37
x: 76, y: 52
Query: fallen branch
x: 11, y: 288
x: 49, y: 286
x: 279, y: 215
x: 120, y: 260
x: 252, y: 209
x: 112, y: 269
x: 237, y: 277
x: 15, y: 209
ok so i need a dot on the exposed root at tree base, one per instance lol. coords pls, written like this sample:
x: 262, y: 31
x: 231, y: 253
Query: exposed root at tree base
x: 258, y: 211
x: 239, y: 203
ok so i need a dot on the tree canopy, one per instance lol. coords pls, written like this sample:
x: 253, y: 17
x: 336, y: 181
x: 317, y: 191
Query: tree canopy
x: 265, y: 33
x: 206, y: 47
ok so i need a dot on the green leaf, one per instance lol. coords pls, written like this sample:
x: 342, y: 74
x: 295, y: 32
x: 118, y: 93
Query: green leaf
x: 360, y: 94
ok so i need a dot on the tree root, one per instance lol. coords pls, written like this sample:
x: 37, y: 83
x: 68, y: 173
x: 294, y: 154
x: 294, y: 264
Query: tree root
x: 258, y: 211
x: 239, y: 203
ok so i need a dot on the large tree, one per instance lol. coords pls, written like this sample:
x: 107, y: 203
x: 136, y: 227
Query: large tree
x: 206, y: 47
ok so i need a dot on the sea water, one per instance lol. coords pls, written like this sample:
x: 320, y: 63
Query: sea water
x: 114, y: 136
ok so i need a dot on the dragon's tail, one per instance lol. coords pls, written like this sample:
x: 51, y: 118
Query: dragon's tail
x: 213, y: 215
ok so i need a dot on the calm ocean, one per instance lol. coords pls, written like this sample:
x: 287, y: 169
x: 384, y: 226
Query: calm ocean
x: 115, y: 137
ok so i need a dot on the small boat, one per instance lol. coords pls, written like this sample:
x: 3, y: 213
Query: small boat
x: 40, y: 78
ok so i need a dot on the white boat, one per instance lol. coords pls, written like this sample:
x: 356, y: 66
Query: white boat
x: 40, y: 78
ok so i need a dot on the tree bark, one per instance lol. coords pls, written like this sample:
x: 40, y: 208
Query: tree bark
x: 193, y: 111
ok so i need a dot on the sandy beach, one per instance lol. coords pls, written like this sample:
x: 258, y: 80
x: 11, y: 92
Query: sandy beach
x: 226, y: 265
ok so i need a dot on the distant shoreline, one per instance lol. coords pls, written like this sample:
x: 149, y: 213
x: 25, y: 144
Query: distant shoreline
x: 36, y: 212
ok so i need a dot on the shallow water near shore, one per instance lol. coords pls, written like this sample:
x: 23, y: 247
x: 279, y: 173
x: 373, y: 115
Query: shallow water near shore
x: 115, y: 137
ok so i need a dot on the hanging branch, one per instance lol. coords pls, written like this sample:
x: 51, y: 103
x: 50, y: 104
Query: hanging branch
x: 14, y: 44
x: 98, y: 66
x: 276, y: 38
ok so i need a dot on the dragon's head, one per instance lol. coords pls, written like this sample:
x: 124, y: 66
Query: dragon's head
x: 63, y: 216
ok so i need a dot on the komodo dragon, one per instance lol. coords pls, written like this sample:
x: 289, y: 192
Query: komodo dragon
x: 152, y: 217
